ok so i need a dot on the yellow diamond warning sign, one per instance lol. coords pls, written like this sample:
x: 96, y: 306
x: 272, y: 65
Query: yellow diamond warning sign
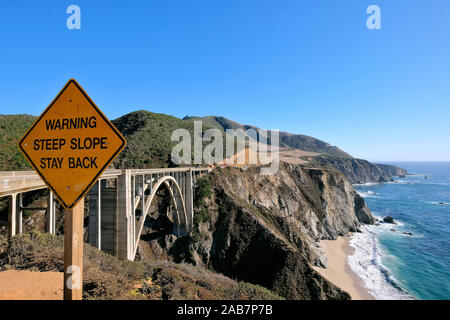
x: 71, y: 144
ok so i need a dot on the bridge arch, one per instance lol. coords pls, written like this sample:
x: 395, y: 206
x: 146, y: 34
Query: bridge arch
x: 182, y: 221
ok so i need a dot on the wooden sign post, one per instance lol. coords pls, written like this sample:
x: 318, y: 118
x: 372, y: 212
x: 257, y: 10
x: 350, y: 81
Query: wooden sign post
x: 69, y: 146
x: 73, y: 252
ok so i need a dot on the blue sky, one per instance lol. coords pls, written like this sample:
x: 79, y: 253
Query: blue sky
x: 309, y: 67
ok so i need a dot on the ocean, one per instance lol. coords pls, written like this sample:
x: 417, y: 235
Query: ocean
x: 395, y: 265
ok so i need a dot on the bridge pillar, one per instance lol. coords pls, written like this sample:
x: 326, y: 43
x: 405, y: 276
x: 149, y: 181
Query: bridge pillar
x: 151, y: 185
x: 182, y: 185
x: 125, y: 236
x: 51, y: 213
x: 12, y: 210
x: 106, y: 229
x: 95, y: 213
x: 142, y: 193
x: 189, y: 199
x: 133, y: 216
x: 19, y: 214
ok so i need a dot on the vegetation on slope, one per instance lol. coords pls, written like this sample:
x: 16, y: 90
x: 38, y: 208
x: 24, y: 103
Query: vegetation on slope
x: 12, y: 128
x: 289, y: 140
x: 105, y: 277
x: 148, y: 138
x: 220, y: 123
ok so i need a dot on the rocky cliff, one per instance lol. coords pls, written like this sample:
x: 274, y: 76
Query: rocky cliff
x: 265, y: 229
x: 358, y: 170
x: 392, y: 170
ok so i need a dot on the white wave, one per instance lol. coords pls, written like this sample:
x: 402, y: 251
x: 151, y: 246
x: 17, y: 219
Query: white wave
x: 367, y: 194
x: 398, y: 223
x: 366, y: 262
x: 405, y: 182
x: 377, y: 216
x: 437, y: 183
x: 368, y: 184
x: 422, y: 181
x: 438, y: 203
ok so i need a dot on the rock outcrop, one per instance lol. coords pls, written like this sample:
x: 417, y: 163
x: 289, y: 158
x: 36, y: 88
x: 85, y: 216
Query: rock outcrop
x: 389, y: 219
x: 362, y: 211
x: 265, y: 229
x: 359, y: 171
x: 392, y: 170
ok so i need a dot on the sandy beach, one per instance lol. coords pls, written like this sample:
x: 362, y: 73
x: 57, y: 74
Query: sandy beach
x: 339, y: 272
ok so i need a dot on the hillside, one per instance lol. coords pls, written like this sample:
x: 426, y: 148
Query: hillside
x: 148, y: 139
x: 287, y: 140
x: 260, y: 231
x: 309, y: 151
x: 149, y: 145
x: 105, y: 277
x: 12, y: 128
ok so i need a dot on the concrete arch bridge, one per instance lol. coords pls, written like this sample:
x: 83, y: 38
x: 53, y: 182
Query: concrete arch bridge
x: 119, y: 203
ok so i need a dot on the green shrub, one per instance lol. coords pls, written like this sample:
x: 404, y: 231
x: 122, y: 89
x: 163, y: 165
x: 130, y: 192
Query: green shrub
x: 202, y: 190
x: 202, y: 216
x: 199, y: 236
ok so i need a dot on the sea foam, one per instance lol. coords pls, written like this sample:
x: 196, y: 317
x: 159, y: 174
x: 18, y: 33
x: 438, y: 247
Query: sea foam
x: 367, y: 194
x: 438, y: 203
x: 368, y: 184
x: 366, y: 262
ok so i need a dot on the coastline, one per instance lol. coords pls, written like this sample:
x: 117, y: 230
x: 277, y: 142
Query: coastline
x: 339, y: 272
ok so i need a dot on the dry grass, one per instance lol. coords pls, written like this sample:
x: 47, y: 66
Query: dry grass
x: 34, y: 251
x: 105, y: 277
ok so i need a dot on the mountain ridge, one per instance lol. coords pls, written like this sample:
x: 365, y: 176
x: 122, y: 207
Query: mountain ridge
x: 294, y: 148
x: 149, y: 145
x: 287, y: 139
